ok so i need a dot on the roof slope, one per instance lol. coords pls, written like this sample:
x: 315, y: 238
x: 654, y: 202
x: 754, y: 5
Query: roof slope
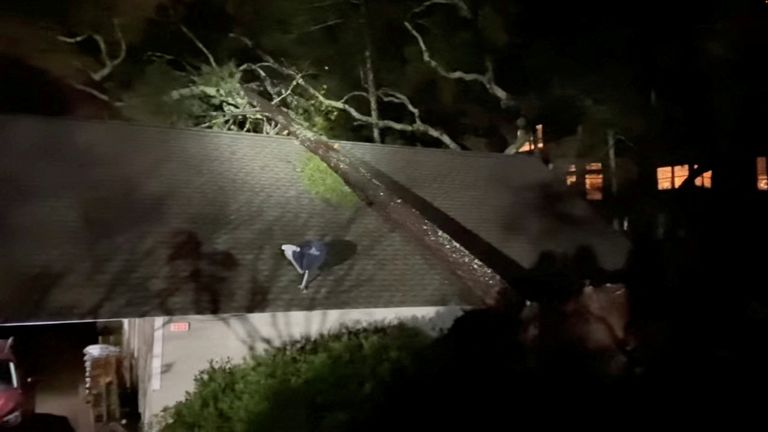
x: 109, y: 220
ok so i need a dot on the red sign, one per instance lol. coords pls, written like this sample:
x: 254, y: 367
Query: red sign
x: 179, y: 326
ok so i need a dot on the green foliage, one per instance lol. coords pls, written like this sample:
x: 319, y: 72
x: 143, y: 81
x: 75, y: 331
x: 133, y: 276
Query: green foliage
x: 322, y: 182
x: 207, y: 96
x: 331, y: 383
x: 318, y: 117
x: 213, y: 97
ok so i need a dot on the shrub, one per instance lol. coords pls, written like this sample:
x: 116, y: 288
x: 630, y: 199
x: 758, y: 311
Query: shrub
x: 331, y: 383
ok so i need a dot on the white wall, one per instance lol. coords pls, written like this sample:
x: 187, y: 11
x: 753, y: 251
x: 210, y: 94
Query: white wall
x: 209, y: 337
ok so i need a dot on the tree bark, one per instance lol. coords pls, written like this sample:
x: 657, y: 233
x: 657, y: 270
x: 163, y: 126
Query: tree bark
x: 372, y: 95
x: 375, y: 189
x: 370, y: 79
x: 611, y: 136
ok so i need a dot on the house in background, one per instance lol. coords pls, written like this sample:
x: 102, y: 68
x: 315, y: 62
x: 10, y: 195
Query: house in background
x: 179, y: 233
x: 626, y: 189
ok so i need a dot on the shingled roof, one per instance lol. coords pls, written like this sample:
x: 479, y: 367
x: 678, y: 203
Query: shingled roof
x: 113, y: 220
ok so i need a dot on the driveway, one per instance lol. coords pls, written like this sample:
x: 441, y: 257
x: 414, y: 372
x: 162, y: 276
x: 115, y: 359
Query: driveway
x: 53, y: 356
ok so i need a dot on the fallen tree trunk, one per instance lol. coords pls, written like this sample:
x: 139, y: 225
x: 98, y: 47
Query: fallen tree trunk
x: 379, y: 191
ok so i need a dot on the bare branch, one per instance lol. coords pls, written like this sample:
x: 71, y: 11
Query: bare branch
x: 393, y: 96
x: 322, y: 4
x: 486, y: 80
x: 268, y: 82
x: 109, y: 63
x: 323, y: 25
x: 93, y: 92
x: 354, y: 93
x: 413, y: 128
x: 73, y: 40
x: 460, y: 5
x: 287, y: 92
x: 248, y: 112
x: 199, y: 45
x: 242, y: 39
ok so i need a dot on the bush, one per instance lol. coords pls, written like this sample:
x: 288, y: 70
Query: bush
x: 331, y: 383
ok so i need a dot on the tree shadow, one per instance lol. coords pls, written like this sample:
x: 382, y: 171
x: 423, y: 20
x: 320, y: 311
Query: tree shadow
x: 252, y: 335
x: 204, y: 273
x: 29, y: 296
x: 166, y: 367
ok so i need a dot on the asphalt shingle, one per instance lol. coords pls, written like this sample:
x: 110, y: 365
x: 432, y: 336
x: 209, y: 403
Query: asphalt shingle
x: 91, y: 212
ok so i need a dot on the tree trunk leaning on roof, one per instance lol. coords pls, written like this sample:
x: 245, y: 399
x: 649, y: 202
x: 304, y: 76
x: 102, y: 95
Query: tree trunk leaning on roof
x: 371, y: 187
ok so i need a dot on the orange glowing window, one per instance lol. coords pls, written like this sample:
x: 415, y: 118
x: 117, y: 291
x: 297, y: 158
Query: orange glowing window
x: 539, y: 136
x: 594, y: 185
x: 762, y: 173
x: 704, y: 180
x: 528, y: 146
x: 672, y: 177
x: 679, y: 173
x: 664, y: 178
x: 593, y: 181
x: 570, y: 177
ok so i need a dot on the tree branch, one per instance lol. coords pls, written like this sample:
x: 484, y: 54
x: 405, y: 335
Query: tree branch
x: 108, y: 63
x: 322, y: 4
x: 287, y: 92
x: 73, y: 40
x: 242, y: 39
x: 93, y: 92
x: 323, y: 25
x: 460, y: 5
x: 354, y: 93
x: 393, y: 96
x: 199, y: 45
x: 486, y: 80
x: 269, y: 84
x: 412, y: 128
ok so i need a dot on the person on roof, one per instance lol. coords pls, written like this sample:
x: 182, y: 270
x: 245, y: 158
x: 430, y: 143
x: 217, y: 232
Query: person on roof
x: 307, y: 257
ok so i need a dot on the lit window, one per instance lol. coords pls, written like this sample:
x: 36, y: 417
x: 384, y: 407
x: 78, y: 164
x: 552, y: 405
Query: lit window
x: 704, y: 180
x: 539, y: 136
x: 593, y: 181
x: 664, y: 178
x: 528, y: 146
x: 570, y: 178
x: 594, y: 184
x: 672, y: 177
x: 762, y: 173
x: 680, y: 173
